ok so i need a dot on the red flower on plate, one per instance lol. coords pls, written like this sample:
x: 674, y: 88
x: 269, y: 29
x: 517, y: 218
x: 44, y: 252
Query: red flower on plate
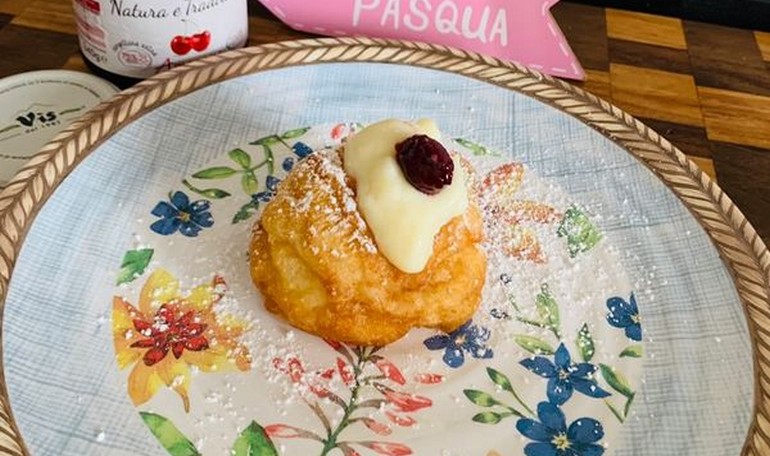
x: 170, y: 330
x: 170, y: 333
x: 403, y: 421
x: 296, y: 372
x: 405, y: 402
x: 366, y: 388
x: 346, y: 372
x: 376, y: 426
x: 390, y: 371
x: 283, y: 431
x: 339, y: 131
x: 387, y: 448
x: 428, y: 379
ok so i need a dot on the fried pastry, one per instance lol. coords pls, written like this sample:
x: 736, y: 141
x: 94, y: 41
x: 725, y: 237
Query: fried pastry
x: 319, y: 263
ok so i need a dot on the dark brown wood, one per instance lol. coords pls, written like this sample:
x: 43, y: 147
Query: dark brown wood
x: 742, y: 172
x: 649, y: 56
x: 4, y: 19
x: 257, y: 9
x: 27, y: 49
x: 263, y: 31
x: 726, y: 58
x: 265, y: 27
x: 753, y: 14
x: 691, y: 140
x: 585, y: 27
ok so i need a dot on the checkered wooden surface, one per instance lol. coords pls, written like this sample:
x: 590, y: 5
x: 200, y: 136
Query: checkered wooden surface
x: 704, y: 87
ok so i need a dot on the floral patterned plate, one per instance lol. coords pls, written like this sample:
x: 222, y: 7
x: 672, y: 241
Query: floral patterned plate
x: 609, y: 323
x: 526, y: 359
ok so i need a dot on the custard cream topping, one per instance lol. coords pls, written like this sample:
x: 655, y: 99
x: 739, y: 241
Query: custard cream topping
x: 403, y: 220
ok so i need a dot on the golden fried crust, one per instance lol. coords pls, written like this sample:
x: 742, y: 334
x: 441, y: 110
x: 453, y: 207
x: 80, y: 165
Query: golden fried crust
x: 314, y: 260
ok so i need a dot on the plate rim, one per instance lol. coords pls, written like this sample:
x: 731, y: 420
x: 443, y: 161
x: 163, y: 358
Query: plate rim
x: 740, y: 247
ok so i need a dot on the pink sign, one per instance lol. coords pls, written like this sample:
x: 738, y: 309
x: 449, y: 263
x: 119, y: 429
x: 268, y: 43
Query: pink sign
x: 519, y: 30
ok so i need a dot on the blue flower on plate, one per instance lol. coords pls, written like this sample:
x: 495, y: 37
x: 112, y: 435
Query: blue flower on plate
x: 181, y: 215
x: 552, y: 437
x: 287, y: 164
x: 468, y: 338
x: 301, y: 149
x: 564, y: 376
x: 625, y: 315
x: 271, y: 185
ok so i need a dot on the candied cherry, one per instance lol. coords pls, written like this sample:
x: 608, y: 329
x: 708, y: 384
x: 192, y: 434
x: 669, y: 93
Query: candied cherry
x: 426, y: 164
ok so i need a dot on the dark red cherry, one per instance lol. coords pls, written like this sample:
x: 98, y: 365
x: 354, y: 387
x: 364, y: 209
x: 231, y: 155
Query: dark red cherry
x: 426, y: 164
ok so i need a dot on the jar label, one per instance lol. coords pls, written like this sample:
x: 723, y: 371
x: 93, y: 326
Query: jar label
x: 138, y: 38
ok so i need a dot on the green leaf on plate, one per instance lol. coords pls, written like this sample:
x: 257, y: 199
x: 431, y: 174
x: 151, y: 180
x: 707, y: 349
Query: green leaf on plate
x: 267, y: 141
x: 269, y: 160
x: 476, y: 149
x: 240, y: 157
x: 133, y: 265
x: 616, y: 380
x: 547, y: 308
x: 168, y: 435
x: 500, y: 379
x: 582, y: 235
x: 481, y: 398
x: 632, y: 351
x: 615, y: 411
x: 213, y: 193
x: 296, y: 133
x: 253, y: 441
x: 215, y: 172
x: 242, y: 215
x: 531, y: 322
x: 246, y: 211
x: 628, y: 405
x: 503, y: 382
x: 534, y: 345
x: 249, y: 183
x: 487, y: 417
x: 585, y: 343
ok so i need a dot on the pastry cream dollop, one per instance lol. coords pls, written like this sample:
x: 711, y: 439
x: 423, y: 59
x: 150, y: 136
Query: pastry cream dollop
x: 403, y: 220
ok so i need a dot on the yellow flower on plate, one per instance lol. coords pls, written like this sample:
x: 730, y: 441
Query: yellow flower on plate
x: 169, y: 335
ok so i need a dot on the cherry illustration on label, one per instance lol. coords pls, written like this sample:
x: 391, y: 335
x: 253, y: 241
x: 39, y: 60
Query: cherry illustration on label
x: 199, y: 42
x: 181, y: 45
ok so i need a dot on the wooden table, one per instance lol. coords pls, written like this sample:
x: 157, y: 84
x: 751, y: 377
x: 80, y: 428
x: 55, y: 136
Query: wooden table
x: 704, y: 87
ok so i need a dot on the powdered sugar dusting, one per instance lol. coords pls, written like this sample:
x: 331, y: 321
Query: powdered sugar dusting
x: 342, y: 212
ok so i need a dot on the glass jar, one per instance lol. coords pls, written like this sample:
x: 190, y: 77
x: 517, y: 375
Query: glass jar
x: 129, y: 40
